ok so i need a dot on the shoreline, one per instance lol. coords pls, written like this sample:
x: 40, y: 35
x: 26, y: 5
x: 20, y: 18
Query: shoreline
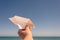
x: 33, y: 36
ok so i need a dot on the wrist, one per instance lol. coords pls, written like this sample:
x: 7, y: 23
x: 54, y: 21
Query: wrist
x: 28, y: 38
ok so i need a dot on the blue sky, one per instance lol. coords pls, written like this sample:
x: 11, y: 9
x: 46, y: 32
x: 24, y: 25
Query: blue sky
x: 45, y: 14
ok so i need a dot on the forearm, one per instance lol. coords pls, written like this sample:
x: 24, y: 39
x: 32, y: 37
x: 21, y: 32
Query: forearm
x: 28, y: 38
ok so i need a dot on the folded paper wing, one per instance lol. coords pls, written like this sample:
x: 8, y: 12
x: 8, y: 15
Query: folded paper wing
x: 21, y: 22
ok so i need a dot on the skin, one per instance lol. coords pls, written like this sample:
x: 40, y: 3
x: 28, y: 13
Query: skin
x: 25, y: 34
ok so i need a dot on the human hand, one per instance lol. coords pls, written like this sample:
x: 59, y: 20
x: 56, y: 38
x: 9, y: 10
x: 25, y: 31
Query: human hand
x: 25, y: 34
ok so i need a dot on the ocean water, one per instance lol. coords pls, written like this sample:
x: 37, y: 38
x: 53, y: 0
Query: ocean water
x: 35, y: 38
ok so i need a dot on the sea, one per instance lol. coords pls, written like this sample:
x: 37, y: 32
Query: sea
x: 34, y: 38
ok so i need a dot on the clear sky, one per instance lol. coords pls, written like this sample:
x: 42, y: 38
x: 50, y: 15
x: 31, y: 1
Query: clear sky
x: 45, y: 14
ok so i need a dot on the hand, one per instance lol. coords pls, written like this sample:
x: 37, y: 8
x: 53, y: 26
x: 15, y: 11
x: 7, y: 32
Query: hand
x: 25, y: 34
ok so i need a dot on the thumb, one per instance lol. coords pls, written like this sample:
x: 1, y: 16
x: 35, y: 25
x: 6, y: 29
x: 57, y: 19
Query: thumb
x: 27, y: 28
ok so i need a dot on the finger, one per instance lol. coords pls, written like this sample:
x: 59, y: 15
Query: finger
x: 27, y: 27
x: 20, y: 31
x: 21, y: 34
x: 27, y: 31
x: 30, y: 28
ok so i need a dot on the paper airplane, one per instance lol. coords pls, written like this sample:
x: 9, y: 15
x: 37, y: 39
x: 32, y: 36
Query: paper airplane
x: 21, y: 22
